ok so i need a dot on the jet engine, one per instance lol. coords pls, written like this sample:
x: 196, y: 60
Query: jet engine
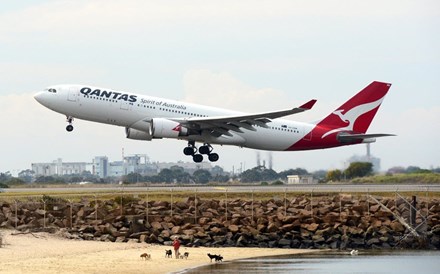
x: 135, y: 134
x: 164, y: 128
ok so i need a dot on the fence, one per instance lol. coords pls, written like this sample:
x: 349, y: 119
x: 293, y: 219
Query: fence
x: 73, y: 209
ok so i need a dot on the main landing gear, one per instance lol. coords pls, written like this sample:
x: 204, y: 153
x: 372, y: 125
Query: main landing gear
x: 69, y: 127
x: 191, y: 150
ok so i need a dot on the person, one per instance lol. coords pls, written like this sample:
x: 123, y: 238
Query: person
x: 176, y: 245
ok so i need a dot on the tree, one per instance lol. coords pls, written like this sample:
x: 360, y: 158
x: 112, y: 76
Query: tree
x: 201, y: 176
x: 416, y: 169
x: 166, y: 175
x: 296, y: 171
x: 49, y: 180
x: 26, y: 175
x: 359, y: 169
x: 258, y: 174
x: 132, y: 177
x: 5, y: 176
x: 333, y: 175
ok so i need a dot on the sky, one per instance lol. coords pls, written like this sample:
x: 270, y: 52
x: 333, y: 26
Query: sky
x: 248, y: 55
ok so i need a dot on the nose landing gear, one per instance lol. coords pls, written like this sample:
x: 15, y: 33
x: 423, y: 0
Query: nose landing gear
x: 69, y: 127
x: 191, y: 150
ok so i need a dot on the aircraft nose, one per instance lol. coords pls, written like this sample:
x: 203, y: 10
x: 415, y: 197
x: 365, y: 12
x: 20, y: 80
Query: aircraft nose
x: 39, y: 97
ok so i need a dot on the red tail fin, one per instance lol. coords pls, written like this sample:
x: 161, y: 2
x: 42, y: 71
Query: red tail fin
x: 356, y: 114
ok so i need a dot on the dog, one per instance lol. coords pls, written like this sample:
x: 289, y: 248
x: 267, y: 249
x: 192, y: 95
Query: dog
x: 211, y: 257
x: 168, y: 253
x: 185, y: 255
x: 145, y: 256
x: 219, y: 258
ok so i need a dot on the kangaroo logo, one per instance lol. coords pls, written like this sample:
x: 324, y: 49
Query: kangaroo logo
x: 352, y: 115
x: 177, y: 128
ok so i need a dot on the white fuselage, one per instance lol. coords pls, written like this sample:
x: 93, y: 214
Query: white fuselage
x: 128, y: 109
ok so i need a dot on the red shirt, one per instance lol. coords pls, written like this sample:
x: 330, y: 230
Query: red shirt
x: 176, y: 244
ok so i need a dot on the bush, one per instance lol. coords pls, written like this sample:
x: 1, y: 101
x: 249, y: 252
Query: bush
x: 277, y: 183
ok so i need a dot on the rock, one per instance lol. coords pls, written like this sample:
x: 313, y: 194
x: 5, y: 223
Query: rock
x: 88, y: 236
x: 374, y: 208
x: 233, y: 228
x: 284, y: 242
x: 318, y: 239
x: 189, y: 232
x: 107, y: 238
x: 311, y: 227
x: 176, y: 230
x: 242, y: 241
x: 334, y: 245
x: 272, y: 227
x: 373, y: 241
x: 287, y: 227
x: 156, y: 226
x: 397, y: 226
x: 355, y: 231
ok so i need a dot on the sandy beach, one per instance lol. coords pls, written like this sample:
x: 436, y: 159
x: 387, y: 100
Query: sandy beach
x: 51, y: 253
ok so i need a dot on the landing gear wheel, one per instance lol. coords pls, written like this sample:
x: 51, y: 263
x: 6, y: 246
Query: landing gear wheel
x: 69, y: 120
x: 197, y: 158
x: 205, y: 149
x: 189, y: 151
x: 213, y: 157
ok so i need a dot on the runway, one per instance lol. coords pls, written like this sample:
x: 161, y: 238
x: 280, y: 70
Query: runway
x: 313, y: 188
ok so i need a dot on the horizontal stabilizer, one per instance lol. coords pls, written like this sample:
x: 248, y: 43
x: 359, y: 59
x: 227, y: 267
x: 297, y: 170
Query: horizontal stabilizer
x: 347, y: 137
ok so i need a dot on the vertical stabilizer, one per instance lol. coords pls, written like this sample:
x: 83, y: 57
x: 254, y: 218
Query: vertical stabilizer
x: 356, y: 114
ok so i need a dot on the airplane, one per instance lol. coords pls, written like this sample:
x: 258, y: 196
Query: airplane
x: 148, y: 118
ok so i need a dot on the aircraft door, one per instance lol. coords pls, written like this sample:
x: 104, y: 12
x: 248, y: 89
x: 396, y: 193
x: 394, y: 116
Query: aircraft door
x: 72, y: 95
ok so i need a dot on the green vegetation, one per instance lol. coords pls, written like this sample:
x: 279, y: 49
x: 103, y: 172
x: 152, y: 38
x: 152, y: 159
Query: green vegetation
x: 412, y: 178
x: 357, y: 172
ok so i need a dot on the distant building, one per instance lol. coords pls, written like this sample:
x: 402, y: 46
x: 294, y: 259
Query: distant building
x: 300, y: 179
x: 102, y: 167
x: 59, y: 168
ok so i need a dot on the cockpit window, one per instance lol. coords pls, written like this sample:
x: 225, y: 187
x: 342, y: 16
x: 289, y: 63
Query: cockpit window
x: 52, y: 90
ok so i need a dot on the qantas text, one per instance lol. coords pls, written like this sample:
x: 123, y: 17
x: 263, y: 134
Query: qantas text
x: 109, y: 94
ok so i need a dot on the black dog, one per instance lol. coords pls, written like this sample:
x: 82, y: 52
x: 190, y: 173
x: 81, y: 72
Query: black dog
x: 211, y: 257
x: 168, y: 253
x: 185, y: 255
x: 217, y: 258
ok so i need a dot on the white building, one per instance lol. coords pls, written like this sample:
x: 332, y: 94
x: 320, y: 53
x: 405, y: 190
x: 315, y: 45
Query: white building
x: 300, y: 179
x: 102, y: 167
x: 59, y: 168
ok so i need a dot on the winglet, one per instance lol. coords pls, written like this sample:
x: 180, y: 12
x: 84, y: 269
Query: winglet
x: 309, y: 104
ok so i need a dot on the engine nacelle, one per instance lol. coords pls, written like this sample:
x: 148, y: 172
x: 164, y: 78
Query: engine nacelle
x: 135, y: 134
x: 164, y: 128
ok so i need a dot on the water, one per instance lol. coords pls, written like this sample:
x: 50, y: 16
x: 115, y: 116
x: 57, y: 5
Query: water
x: 401, y: 262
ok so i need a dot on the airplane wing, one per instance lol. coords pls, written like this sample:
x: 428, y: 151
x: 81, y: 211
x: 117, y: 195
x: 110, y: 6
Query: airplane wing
x: 222, y: 125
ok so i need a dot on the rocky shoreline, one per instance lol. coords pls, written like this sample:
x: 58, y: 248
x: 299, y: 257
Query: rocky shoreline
x: 335, y: 222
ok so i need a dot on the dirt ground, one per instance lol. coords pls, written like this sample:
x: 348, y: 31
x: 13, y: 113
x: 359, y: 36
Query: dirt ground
x: 49, y: 253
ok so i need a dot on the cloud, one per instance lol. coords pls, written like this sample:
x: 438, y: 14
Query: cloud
x: 70, y: 17
x: 221, y: 89
x: 21, y: 77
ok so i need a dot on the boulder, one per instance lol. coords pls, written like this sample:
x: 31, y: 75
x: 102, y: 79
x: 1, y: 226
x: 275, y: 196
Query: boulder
x: 310, y: 227
x: 396, y: 226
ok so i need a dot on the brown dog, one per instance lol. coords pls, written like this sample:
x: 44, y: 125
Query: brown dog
x: 145, y: 256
